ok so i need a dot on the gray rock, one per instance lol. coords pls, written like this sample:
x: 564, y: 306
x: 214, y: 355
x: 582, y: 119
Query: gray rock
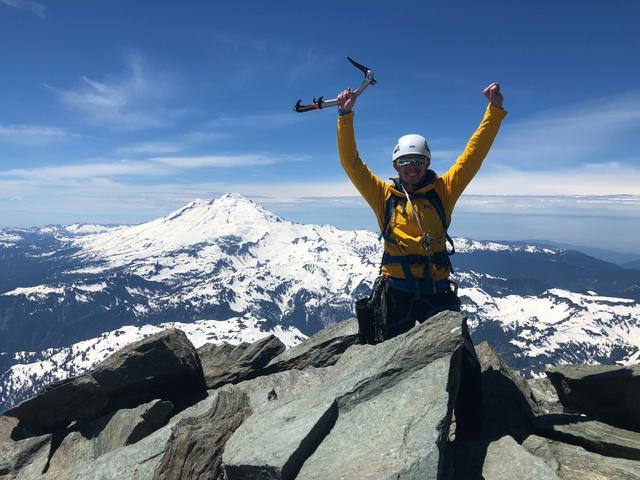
x: 140, y: 460
x: 133, y: 462
x: 164, y: 365
x: 394, y: 433
x: 7, y: 424
x: 609, y: 393
x: 419, y: 370
x: 507, y: 460
x: 320, y: 350
x: 286, y: 386
x: 594, y: 436
x: 509, y: 404
x: 575, y: 463
x: 298, y: 426
x: 226, y: 363
x: 87, y: 441
x: 546, y: 396
x: 194, y: 450
x: 24, y: 459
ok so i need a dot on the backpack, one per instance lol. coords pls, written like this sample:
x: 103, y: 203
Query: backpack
x: 439, y: 258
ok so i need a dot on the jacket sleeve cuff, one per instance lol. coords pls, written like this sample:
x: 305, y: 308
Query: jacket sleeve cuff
x: 496, y: 111
x: 347, y: 117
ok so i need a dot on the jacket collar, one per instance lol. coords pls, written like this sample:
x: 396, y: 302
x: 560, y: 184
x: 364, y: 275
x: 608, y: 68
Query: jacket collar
x: 427, y: 184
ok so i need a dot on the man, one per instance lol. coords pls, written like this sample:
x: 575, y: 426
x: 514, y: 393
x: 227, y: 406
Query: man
x: 413, y: 212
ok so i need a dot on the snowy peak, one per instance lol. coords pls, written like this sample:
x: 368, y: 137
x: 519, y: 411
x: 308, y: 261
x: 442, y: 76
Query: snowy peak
x: 225, y: 215
x: 199, y: 222
x: 228, y: 206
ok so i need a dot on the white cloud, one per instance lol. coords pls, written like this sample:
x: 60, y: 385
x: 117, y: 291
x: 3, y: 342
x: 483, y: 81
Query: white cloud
x: 563, y: 136
x: 29, y: 5
x: 263, y: 120
x: 151, y: 148
x: 588, y: 179
x: 134, y: 101
x: 31, y: 133
x: 553, y: 205
x: 157, y: 166
x: 221, y: 161
x: 85, y: 171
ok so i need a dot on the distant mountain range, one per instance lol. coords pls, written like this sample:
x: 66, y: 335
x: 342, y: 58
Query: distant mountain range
x: 624, y: 259
x: 228, y: 270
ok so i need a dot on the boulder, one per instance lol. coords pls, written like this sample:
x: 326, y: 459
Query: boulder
x: 576, y: 463
x: 89, y: 440
x: 226, y: 363
x: 609, y: 393
x: 382, y: 411
x: 594, y: 436
x: 509, y: 404
x: 321, y: 350
x: 194, y: 450
x: 164, y: 365
x: 25, y: 459
x: 508, y: 460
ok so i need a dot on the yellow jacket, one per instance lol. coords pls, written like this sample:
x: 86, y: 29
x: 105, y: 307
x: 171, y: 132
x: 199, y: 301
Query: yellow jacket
x: 404, y: 230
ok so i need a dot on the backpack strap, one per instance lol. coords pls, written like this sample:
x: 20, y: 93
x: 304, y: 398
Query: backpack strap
x: 439, y: 258
x: 435, y: 200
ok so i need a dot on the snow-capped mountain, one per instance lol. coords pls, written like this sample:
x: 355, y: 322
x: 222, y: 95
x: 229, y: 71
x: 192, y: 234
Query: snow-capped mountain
x: 208, y: 260
x: 228, y: 270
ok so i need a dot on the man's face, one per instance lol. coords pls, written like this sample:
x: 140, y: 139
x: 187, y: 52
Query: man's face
x: 412, y: 173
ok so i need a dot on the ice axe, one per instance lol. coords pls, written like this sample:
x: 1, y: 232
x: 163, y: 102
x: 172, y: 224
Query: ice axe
x: 321, y: 103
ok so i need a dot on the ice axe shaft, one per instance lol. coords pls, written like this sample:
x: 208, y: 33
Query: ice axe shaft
x: 319, y: 103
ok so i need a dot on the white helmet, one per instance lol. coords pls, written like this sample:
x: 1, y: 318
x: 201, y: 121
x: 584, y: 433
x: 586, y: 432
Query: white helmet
x: 411, y: 144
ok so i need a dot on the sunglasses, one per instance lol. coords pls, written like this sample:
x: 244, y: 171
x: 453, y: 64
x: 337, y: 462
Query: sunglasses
x: 417, y: 160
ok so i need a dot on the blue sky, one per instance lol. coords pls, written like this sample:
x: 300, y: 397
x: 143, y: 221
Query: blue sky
x: 119, y: 112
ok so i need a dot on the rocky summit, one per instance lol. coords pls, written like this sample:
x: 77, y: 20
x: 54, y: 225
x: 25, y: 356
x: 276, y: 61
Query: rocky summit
x: 424, y: 405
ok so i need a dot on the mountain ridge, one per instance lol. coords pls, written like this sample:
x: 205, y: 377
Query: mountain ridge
x: 201, y: 264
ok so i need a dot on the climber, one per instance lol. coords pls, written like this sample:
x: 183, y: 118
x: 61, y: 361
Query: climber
x: 413, y: 211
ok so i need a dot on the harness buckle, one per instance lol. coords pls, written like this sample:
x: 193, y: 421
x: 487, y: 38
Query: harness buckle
x: 426, y: 243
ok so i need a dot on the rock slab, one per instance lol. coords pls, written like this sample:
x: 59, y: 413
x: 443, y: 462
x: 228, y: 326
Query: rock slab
x: 507, y: 460
x: 321, y: 350
x: 419, y: 371
x: 609, y: 393
x: 194, y: 450
x: 24, y: 459
x: 226, y: 363
x: 87, y: 441
x: 594, y: 436
x: 575, y: 463
x: 509, y: 404
x: 164, y: 365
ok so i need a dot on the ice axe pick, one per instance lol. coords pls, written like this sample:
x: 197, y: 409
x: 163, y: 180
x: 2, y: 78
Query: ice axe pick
x: 321, y: 103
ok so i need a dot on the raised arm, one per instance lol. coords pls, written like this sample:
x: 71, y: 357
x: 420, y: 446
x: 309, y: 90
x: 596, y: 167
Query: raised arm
x: 467, y: 165
x: 370, y: 186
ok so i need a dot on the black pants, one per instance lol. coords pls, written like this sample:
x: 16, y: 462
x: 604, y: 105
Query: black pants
x: 402, y: 310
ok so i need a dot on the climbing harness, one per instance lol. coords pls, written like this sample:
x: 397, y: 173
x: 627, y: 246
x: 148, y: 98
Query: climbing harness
x: 426, y: 285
